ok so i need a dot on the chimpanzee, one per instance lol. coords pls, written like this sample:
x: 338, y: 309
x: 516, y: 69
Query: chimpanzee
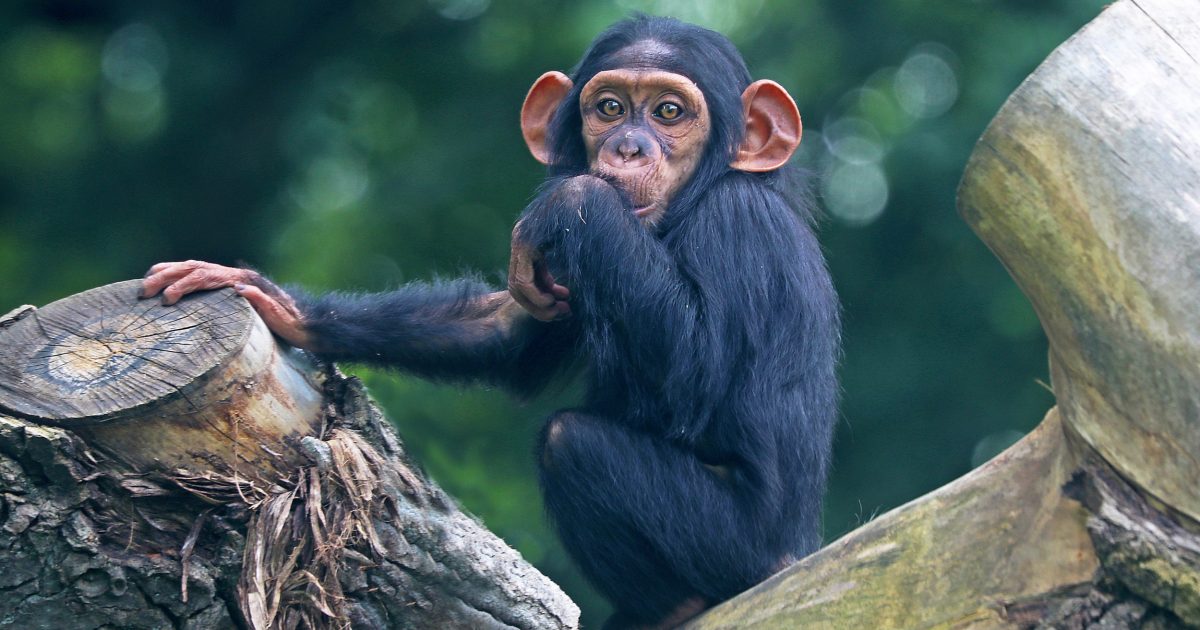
x: 672, y: 255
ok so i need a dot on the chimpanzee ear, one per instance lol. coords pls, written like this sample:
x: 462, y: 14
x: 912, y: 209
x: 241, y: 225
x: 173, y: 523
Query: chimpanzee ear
x: 540, y: 104
x: 773, y: 128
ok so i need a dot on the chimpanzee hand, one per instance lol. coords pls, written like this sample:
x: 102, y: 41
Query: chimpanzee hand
x: 277, y: 308
x: 531, y: 283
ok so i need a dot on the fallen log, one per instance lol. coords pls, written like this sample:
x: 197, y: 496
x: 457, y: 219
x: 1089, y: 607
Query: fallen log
x: 176, y: 467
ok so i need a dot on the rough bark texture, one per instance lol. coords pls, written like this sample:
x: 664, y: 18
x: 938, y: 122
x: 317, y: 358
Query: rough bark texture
x: 1087, y: 187
x: 263, y: 511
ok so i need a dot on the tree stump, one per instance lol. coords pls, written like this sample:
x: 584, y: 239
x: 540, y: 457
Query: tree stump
x: 198, y: 386
x: 1087, y: 187
x: 175, y: 467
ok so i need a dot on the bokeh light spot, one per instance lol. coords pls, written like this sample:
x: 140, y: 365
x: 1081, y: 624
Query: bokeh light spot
x: 855, y: 193
x: 460, y: 9
x: 926, y: 84
x: 854, y: 140
x: 134, y: 58
x: 331, y: 183
x: 134, y: 115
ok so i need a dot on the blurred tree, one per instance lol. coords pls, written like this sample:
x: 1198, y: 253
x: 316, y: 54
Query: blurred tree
x: 365, y: 144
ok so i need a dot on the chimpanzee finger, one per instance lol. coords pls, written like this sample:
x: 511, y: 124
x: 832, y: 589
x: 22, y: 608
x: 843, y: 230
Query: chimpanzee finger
x: 533, y: 294
x: 520, y: 299
x: 278, y: 318
x: 190, y: 283
x: 545, y: 282
x: 525, y: 299
x: 522, y: 278
x: 202, y: 279
x: 536, y: 303
x: 155, y: 268
x: 520, y: 266
x: 553, y: 312
x: 163, y: 278
x: 523, y: 284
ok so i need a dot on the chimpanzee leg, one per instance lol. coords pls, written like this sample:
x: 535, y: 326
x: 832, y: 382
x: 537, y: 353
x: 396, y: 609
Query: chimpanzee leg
x: 648, y: 523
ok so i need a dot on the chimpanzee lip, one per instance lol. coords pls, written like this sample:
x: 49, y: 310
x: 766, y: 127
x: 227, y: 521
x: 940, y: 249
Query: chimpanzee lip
x: 643, y: 211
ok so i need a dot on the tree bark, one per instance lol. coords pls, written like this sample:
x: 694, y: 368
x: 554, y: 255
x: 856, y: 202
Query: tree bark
x: 173, y: 467
x: 1087, y: 187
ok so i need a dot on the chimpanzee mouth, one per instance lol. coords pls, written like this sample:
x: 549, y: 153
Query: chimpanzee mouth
x: 643, y: 211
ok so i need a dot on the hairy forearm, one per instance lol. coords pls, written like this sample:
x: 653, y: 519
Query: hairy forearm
x: 457, y: 330
x: 399, y: 326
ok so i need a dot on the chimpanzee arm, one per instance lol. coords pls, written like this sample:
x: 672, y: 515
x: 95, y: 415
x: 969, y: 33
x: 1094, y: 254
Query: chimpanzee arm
x: 592, y: 242
x: 449, y: 330
x: 632, y: 299
x: 458, y: 330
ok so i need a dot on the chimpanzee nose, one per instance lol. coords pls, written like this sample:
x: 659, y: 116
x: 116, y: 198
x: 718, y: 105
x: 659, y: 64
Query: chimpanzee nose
x: 628, y: 148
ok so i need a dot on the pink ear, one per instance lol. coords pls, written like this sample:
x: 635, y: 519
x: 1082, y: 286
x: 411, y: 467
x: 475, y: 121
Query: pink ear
x: 773, y: 128
x: 540, y: 104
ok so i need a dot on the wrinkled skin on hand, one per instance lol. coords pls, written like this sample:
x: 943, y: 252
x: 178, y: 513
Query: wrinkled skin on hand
x: 177, y: 279
x: 531, y: 283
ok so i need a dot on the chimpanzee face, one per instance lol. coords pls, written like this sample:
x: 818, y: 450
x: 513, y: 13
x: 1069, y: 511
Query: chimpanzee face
x: 645, y: 130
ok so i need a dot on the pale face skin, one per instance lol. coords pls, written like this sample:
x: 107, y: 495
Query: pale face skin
x: 645, y: 130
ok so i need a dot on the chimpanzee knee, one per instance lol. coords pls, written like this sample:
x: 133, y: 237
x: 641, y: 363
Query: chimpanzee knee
x: 589, y: 469
x: 558, y: 437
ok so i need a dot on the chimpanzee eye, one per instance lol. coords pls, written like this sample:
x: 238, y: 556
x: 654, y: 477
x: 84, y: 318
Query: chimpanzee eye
x: 668, y: 111
x: 610, y: 107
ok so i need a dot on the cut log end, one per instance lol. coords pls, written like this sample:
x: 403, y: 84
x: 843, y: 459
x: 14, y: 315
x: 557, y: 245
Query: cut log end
x: 105, y: 353
x: 199, y: 387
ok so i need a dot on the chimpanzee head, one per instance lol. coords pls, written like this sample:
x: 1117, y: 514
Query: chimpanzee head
x: 661, y: 109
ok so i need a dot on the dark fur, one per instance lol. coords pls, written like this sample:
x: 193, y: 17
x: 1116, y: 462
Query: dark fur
x: 441, y: 331
x: 697, y: 463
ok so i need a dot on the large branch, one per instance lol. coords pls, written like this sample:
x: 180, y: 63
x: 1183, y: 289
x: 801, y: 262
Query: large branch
x: 175, y: 467
x: 1087, y: 187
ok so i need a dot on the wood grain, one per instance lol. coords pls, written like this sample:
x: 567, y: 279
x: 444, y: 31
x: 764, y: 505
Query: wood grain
x: 105, y: 353
x: 200, y: 387
x: 1087, y: 187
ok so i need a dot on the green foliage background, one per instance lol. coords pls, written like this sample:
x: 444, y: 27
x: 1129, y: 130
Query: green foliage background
x: 363, y: 144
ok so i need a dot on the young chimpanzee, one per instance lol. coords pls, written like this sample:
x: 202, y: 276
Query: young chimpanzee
x: 667, y: 253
